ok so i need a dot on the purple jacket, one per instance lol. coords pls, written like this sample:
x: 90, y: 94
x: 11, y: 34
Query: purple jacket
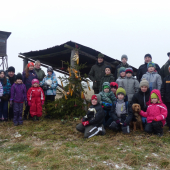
x: 18, y: 93
x: 27, y: 81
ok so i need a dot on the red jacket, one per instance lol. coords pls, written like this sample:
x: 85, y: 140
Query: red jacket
x: 156, y: 111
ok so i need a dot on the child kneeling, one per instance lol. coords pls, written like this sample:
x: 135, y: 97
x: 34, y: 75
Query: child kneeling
x: 156, y: 114
x: 121, y: 112
x: 92, y: 123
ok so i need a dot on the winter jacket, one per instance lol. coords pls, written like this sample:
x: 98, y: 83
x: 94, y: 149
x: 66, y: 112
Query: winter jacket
x: 122, y: 110
x: 156, y: 111
x: 131, y: 85
x: 95, y: 115
x: 107, y: 78
x: 118, y: 68
x: 164, y: 70
x: 142, y: 99
x: 143, y: 69
x: 96, y: 73
x: 118, y: 81
x: 40, y: 74
x: 52, y: 84
x: 107, y: 98
x: 154, y: 80
x: 27, y: 81
x: 165, y: 89
x: 12, y: 79
x: 18, y: 93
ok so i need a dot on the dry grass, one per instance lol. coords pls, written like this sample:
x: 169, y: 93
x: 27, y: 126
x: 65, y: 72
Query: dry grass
x: 50, y: 144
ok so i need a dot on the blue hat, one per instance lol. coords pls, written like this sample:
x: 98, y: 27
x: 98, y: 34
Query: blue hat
x: 122, y: 69
x: 151, y: 64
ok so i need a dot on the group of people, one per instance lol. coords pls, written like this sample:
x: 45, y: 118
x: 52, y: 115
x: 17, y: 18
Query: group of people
x: 27, y: 88
x: 115, y: 95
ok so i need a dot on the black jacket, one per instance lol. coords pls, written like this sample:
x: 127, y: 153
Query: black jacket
x: 141, y: 98
x: 143, y: 69
x: 95, y: 117
x: 12, y: 79
x: 165, y: 89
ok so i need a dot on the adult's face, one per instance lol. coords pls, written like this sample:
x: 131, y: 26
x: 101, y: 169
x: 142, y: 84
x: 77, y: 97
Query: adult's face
x: 11, y: 74
x: 38, y: 65
x: 148, y: 59
x: 100, y: 60
x: 144, y: 89
x: 124, y: 61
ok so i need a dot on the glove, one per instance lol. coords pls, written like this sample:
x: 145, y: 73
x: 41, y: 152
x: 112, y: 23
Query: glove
x: 118, y: 121
x: 85, y: 123
x: 25, y: 103
x: 11, y: 103
x: 29, y: 103
x: 124, y: 124
x: 42, y: 102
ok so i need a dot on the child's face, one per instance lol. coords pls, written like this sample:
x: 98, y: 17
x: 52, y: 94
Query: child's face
x: 151, y: 69
x: 122, y: 74
x: 2, y: 75
x: 128, y: 75
x: 49, y: 73
x: 19, y: 81
x: 120, y: 96
x: 154, y: 101
x: 107, y: 71
x: 144, y: 89
x: 113, y: 90
x: 31, y: 67
x: 35, y: 85
x: 94, y: 102
x: 106, y: 90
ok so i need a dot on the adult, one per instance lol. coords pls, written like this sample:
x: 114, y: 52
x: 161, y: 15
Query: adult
x: 164, y: 70
x: 40, y: 73
x: 124, y: 64
x: 143, y: 68
x: 12, y: 78
x: 97, y: 72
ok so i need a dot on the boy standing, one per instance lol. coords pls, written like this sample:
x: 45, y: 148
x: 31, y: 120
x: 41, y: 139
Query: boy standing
x: 153, y: 77
x: 122, y: 75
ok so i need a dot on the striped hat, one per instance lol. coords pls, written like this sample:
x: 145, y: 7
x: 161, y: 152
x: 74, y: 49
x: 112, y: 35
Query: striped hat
x: 129, y: 70
x: 150, y: 64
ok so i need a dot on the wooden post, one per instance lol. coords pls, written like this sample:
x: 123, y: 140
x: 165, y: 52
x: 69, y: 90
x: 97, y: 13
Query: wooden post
x: 72, y: 62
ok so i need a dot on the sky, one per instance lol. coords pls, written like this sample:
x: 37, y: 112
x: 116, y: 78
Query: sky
x: 112, y: 27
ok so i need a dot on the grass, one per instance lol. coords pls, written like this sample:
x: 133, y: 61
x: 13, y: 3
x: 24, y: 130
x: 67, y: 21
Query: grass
x: 50, y: 144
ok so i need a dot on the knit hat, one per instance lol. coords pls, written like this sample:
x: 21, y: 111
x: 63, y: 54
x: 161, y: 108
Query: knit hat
x: 122, y: 69
x: 168, y: 54
x: 114, y: 85
x: 100, y: 55
x: 148, y: 55
x: 49, y: 69
x: 124, y: 56
x: 151, y: 64
x: 94, y: 97
x: 11, y: 69
x: 144, y: 82
x: 35, y: 81
x: 154, y: 96
x: 108, y: 66
x: 19, y: 76
x: 129, y: 70
x: 105, y: 87
x: 120, y: 90
x: 30, y: 64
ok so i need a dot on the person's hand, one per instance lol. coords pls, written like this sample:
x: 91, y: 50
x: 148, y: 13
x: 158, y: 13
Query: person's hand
x: 29, y: 103
x: 11, y: 103
x: 85, y: 123
x: 42, y: 102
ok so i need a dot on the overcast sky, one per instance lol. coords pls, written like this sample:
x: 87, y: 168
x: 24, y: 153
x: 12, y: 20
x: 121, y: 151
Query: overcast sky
x: 112, y: 27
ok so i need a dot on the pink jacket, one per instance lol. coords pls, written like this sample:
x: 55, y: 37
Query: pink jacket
x: 156, y: 111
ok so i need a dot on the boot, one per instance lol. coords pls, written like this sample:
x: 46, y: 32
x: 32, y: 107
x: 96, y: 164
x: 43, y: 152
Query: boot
x: 37, y: 118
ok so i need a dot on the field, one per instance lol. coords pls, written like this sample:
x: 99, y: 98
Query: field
x: 52, y: 144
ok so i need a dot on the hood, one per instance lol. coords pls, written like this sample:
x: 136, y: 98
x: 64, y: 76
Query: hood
x: 99, y: 64
x: 154, y: 72
x: 53, y: 74
x: 114, y: 84
x: 157, y: 92
x: 106, y: 84
x: 37, y: 69
x: 98, y: 98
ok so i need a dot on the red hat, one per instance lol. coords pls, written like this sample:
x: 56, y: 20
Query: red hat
x: 114, y: 84
x: 30, y: 64
x: 94, y: 97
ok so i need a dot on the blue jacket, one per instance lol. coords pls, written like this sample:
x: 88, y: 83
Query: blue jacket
x: 52, y: 82
x: 6, y: 87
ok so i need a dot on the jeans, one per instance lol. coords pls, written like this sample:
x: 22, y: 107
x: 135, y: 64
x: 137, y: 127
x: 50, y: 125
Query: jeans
x: 4, y: 109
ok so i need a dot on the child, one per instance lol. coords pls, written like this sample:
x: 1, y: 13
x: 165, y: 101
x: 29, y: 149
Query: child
x: 153, y: 77
x: 122, y: 75
x: 18, y: 96
x: 107, y: 78
x: 130, y: 84
x: 5, y: 97
x: 156, y: 114
x: 27, y: 76
x: 35, y: 97
x: 92, y: 123
x: 114, y: 87
x: 121, y: 112
x: 107, y: 98
x: 165, y: 92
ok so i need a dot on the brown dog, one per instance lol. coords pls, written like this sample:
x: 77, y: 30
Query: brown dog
x: 136, y: 110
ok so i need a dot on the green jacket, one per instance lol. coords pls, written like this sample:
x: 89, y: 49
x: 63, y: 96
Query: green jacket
x: 96, y: 73
x: 164, y: 70
x: 40, y: 74
x: 118, y: 68
x: 107, y: 78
